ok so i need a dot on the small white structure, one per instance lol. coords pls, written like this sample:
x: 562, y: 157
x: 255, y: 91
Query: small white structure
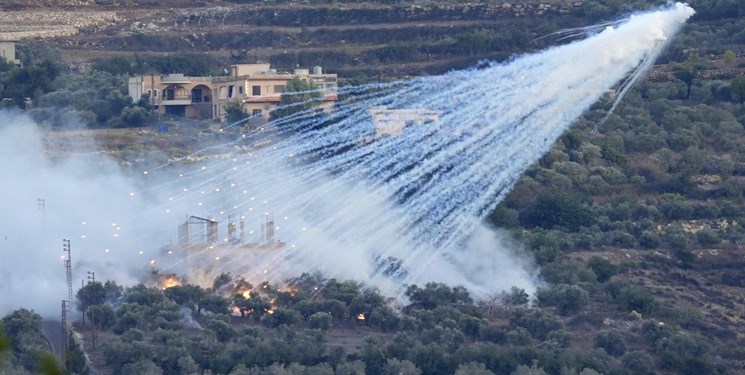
x: 391, y: 122
x: 8, y: 52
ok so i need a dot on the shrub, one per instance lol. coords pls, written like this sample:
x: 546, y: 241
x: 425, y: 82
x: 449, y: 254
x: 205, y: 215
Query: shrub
x: 636, y: 299
x: 234, y: 111
x: 222, y: 330
x: 472, y: 368
x: 707, y: 237
x: 519, y: 337
x: 516, y: 297
x: 679, y: 247
x: 649, y: 240
x: 676, y: 210
x: 538, y: 323
x: 563, y: 210
x: 504, y: 217
x: 133, y: 334
x: 436, y: 294
x: 567, y: 271
x: 282, y: 316
x: 603, y: 268
x: 612, y: 342
x: 638, y: 362
x: 320, y: 320
x: 568, y: 299
x: 396, y: 367
x: 619, y: 238
x: 135, y: 116
x: 383, y: 317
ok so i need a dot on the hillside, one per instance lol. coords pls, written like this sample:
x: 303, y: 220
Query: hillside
x: 356, y: 39
x: 389, y: 39
x: 637, y: 225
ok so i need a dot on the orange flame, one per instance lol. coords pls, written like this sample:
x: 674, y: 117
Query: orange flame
x: 170, y: 282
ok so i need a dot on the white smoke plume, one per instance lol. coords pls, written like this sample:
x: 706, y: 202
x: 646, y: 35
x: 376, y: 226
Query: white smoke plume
x: 44, y: 201
x: 387, y: 211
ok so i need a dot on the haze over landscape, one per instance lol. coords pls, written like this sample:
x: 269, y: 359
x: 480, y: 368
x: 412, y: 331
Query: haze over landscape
x: 493, y: 208
x: 415, y: 198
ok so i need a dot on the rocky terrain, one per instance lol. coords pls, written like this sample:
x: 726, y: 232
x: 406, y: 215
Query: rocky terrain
x: 345, y: 37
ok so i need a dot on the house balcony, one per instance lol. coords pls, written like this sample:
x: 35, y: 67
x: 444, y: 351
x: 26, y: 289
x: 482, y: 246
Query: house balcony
x: 176, y: 100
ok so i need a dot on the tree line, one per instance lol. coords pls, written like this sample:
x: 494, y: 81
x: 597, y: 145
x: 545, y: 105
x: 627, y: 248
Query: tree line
x: 236, y: 327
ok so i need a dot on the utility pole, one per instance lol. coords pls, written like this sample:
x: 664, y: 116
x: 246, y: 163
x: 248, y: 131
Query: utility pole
x: 91, y: 280
x: 68, y: 267
x: 65, y: 337
x: 42, y: 203
x: 82, y: 285
x: 205, y: 354
x: 65, y: 303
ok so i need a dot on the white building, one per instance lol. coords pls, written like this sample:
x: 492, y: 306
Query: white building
x: 8, y: 52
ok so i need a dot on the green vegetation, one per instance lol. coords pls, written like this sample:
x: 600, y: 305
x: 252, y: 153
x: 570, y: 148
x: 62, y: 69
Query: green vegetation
x: 637, y: 227
x: 23, y: 349
x: 67, y: 100
x: 297, y: 97
x: 291, y: 329
x: 18, y: 86
x: 234, y: 112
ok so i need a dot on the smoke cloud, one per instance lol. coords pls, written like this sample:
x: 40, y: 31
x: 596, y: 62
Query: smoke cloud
x: 390, y: 189
x: 44, y: 201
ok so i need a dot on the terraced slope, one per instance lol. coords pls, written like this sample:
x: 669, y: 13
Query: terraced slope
x: 354, y: 38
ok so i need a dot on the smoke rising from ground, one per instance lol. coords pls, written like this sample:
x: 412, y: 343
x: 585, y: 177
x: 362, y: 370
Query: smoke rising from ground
x: 345, y: 199
x: 44, y: 201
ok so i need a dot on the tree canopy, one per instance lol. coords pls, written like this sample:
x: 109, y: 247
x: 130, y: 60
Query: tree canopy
x: 298, y: 96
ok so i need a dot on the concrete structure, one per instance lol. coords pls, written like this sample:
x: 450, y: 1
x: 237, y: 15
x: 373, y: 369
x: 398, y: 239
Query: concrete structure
x: 199, y: 233
x: 256, y: 86
x: 8, y: 52
x: 391, y: 122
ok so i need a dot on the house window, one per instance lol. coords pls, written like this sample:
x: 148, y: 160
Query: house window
x: 256, y: 90
x: 240, y: 89
x: 155, y: 93
x: 279, y: 88
x: 256, y: 112
x: 230, y: 91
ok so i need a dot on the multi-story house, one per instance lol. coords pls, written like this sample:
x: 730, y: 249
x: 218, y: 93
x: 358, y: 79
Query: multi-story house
x: 256, y: 86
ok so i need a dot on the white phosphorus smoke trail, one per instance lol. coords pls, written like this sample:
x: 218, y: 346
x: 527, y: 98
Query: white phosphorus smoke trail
x: 387, y: 210
x: 417, y: 196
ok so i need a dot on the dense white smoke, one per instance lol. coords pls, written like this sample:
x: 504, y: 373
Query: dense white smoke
x: 44, y: 201
x: 345, y: 200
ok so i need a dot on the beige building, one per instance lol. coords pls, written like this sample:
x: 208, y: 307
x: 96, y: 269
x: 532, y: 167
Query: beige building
x: 257, y: 86
x: 8, y: 52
